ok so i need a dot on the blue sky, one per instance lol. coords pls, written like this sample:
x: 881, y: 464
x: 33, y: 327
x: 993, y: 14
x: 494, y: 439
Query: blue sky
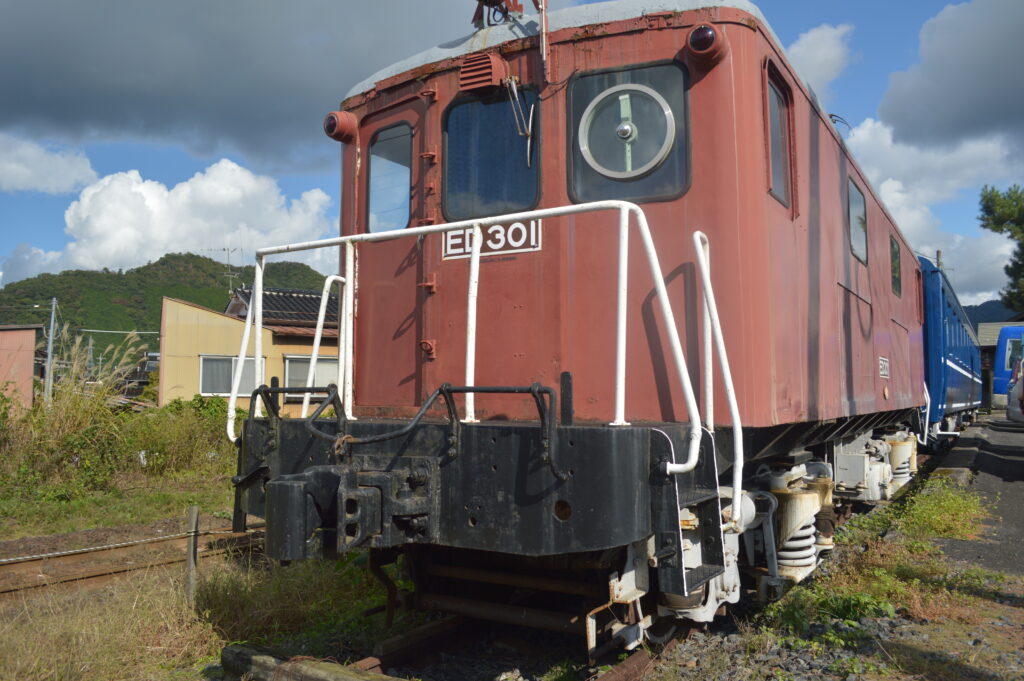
x: 139, y: 129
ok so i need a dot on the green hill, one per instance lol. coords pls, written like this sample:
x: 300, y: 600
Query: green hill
x: 990, y: 311
x: 130, y: 300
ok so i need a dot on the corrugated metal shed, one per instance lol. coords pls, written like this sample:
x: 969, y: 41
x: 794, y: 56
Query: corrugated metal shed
x: 988, y: 332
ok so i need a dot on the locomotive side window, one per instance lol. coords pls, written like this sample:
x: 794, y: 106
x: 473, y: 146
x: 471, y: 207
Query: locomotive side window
x: 778, y: 142
x: 490, y: 168
x: 629, y: 134
x: 390, y: 178
x: 894, y: 263
x: 858, y: 222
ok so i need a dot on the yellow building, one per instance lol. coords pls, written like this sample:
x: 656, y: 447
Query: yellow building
x: 199, y: 347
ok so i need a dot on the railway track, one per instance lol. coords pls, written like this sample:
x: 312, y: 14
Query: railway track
x: 94, y: 566
x: 449, y: 648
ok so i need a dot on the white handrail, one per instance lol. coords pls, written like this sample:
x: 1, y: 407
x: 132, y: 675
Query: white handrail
x: 624, y: 207
x: 703, y: 249
x: 927, y: 415
x: 474, y: 285
x: 236, y: 378
x: 320, y: 319
x: 348, y: 310
x: 257, y: 303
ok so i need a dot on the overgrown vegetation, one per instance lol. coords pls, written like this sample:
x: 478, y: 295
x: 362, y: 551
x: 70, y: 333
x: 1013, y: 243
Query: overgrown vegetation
x: 905, y: 573
x: 142, y: 627
x: 313, y: 607
x: 138, y: 628
x: 67, y: 464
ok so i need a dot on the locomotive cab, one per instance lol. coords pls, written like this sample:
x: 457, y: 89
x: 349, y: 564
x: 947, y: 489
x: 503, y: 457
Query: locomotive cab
x: 548, y: 404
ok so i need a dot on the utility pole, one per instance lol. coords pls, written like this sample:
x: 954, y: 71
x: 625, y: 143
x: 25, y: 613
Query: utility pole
x: 49, y: 353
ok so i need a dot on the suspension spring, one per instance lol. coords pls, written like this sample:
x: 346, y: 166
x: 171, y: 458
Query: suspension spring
x: 798, y: 550
x: 902, y: 472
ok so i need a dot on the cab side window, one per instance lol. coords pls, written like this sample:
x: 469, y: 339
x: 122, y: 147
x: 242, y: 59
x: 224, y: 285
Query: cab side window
x: 858, y: 222
x: 390, y: 178
x: 778, y: 139
x: 894, y: 265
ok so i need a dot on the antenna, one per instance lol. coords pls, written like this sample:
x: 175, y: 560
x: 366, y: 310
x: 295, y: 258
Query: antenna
x: 230, y: 274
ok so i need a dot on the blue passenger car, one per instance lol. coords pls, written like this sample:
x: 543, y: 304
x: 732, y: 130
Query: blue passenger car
x: 952, y: 360
x: 1008, y: 350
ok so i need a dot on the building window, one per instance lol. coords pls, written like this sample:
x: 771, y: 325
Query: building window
x: 215, y: 375
x: 297, y: 368
x: 858, y: 222
x: 629, y: 134
x: 490, y: 167
x: 390, y: 178
x: 894, y: 264
x: 778, y: 142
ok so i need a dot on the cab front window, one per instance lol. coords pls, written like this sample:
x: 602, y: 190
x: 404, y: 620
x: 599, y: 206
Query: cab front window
x: 629, y: 134
x: 490, y: 164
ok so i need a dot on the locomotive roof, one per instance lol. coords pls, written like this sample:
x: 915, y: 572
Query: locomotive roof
x: 580, y: 15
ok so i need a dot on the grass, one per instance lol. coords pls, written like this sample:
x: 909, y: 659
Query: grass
x: 142, y: 627
x: 132, y: 498
x: 906, y: 573
x: 310, y: 607
x: 139, y: 628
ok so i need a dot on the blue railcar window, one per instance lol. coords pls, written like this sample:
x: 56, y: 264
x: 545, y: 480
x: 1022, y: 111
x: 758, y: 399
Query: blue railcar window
x: 1013, y: 353
x: 490, y: 168
x: 894, y: 262
x: 858, y: 222
x: 778, y: 142
x: 390, y: 178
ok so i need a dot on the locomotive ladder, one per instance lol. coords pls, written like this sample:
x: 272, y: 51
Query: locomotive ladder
x: 349, y: 283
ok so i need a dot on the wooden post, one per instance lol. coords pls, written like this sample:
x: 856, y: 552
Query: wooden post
x: 193, y: 549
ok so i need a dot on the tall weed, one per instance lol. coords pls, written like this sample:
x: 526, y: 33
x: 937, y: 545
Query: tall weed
x: 86, y: 436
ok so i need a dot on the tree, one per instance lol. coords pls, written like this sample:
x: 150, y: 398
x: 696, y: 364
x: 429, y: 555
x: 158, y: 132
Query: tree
x: 1003, y: 213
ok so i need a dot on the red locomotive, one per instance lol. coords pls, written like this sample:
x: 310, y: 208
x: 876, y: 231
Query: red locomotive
x: 549, y: 404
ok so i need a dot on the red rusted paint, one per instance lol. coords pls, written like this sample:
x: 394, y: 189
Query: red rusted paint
x: 805, y: 322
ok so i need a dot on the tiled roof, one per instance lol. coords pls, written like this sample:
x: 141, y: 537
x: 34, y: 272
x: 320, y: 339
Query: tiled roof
x: 309, y: 331
x: 286, y: 308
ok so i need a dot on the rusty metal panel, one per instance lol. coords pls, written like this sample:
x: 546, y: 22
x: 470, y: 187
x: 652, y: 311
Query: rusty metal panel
x: 805, y: 323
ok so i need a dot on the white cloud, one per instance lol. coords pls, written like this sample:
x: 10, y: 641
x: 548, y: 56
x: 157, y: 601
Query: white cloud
x: 123, y: 220
x: 911, y: 180
x: 27, y: 166
x: 931, y: 173
x: 820, y: 55
x: 964, y: 86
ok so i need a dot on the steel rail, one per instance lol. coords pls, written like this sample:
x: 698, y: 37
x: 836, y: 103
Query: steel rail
x: 107, y: 547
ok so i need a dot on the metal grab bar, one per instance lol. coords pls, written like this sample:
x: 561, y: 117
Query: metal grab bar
x: 321, y: 316
x: 927, y: 416
x: 624, y: 208
x: 713, y: 330
x: 236, y: 379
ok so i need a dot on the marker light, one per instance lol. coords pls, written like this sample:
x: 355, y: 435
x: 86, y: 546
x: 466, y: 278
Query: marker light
x: 705, y: 47
x: 341, y: 126
x: 702, y: 38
